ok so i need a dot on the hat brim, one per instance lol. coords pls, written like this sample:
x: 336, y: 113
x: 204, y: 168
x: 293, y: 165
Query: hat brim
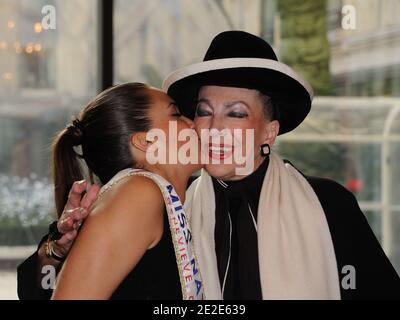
x: 291, y: 93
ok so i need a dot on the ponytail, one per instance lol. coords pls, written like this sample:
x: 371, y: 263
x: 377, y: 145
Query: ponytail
x: 66, y: 167
x: 103, y: 131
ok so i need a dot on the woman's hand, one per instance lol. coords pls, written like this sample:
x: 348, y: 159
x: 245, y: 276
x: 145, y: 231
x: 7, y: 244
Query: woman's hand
x: 75, y: 212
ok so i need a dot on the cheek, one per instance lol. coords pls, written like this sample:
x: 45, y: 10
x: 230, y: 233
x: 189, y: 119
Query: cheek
x: 163, y: 126
x: 259, y: 131
x: 181, y: 124
x: 200, y: 123
x: 245, y: 128
x: 252, y: 135
x: 183, y: 129
x: 184, y: 132
x: 158, y: 122
x: 259, y: 137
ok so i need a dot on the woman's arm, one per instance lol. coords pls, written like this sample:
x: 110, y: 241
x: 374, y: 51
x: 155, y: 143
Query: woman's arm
x: 30, y: 272
x: 126, y: 222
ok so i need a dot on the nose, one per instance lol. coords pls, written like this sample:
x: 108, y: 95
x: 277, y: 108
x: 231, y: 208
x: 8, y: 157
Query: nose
x: 189, y: 122
x: 216, y: 123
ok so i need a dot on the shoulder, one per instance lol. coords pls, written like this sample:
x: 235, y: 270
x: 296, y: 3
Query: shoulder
x: 133, y: 201
x: 330, y: 189
x: 132, y: 191
x: 340, y: 206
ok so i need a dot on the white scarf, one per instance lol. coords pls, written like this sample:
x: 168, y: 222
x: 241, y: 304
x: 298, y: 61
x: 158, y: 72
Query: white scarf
x: 295, y: 249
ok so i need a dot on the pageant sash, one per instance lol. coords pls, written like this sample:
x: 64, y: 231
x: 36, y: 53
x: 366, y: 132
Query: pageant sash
x: 189, y: 273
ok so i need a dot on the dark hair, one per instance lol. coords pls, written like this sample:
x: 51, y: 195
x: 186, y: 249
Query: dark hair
x: 271, y: 109
x: 103, y: 130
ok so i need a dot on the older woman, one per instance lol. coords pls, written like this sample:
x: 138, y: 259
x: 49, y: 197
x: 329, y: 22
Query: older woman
x: 272, y: 233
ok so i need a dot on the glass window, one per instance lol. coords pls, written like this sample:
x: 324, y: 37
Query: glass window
x: 46, y: 75
x: 170, y: 34
x: 353, y: 63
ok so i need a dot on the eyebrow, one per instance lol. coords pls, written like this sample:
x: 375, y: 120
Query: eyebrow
x: 233, y: 103
x: 206, y: 101
x: 227, y: 105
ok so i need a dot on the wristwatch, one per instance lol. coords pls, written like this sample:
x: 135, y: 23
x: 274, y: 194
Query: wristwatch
x: 49, y: 250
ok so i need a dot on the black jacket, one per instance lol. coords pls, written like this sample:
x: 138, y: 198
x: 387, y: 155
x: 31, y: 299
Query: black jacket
x: 354, y: 242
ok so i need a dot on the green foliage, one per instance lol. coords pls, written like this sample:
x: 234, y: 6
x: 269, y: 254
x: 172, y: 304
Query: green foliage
x: 304, y: 44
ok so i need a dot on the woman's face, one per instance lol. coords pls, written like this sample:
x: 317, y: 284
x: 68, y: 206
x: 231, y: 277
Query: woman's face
x: 174, y: 133
x: 232, y: 108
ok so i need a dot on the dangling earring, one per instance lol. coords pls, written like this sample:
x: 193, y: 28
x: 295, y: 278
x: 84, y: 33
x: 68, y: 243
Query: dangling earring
x: 265, y: 149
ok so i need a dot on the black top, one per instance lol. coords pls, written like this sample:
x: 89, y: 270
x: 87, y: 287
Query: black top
x: 235, y: 234
x: 155, y: 277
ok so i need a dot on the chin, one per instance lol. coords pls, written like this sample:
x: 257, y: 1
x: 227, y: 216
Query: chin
x: 197, y: 167
x: 221, y: 171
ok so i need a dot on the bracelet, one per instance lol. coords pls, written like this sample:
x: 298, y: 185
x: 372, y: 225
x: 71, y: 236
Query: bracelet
x: 50, y: 253
x: 56, y: 256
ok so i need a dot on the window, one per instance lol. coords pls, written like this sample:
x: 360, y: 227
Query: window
x: 45, y: 77
x: 352, y: 134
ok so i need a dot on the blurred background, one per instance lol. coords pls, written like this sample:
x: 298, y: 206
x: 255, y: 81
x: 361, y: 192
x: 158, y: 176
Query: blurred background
x: 52, y: 62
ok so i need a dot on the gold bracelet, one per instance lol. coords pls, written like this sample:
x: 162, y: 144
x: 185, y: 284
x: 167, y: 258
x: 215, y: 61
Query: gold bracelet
x: 50, y: 253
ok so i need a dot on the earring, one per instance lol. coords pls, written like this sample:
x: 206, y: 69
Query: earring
x: 265, y: 149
